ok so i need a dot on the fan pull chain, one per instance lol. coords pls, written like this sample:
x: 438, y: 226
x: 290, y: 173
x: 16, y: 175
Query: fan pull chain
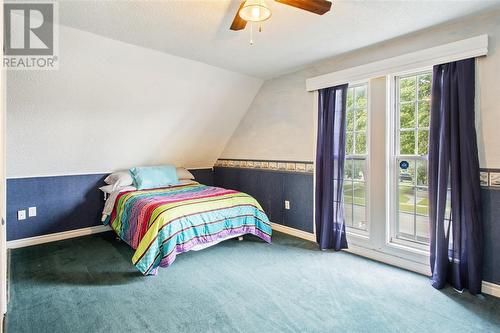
x: 251, y: 33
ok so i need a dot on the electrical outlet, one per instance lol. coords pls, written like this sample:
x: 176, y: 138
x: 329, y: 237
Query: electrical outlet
x: 21, y: 215
x: 287, y: 204
x: 31, y: 211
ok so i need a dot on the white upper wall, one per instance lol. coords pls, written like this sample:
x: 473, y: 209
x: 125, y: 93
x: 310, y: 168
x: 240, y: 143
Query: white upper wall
x: 279, y: 123
x: 113, y: 105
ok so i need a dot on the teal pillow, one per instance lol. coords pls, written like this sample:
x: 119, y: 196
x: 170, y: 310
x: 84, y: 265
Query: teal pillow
x: 154, y: 177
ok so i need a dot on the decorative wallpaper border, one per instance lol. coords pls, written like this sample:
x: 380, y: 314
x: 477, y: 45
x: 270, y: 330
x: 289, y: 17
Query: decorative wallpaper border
x: 490, y: 178
x: 291, y: 166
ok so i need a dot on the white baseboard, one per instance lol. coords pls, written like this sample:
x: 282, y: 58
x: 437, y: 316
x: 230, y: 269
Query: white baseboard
x: 14, y: 244
x: 490, y: 288
x: 293, y: 232
x: 487, y: 287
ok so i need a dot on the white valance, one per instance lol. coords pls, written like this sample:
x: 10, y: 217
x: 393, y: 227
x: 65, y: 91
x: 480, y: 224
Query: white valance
x: 462, y: 49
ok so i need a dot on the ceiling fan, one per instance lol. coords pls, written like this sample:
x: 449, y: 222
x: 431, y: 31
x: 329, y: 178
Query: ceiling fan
x: 258, y: 11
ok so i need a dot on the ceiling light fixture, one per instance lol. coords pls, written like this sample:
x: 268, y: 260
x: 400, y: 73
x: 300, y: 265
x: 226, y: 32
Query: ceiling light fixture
x: 255, y: 11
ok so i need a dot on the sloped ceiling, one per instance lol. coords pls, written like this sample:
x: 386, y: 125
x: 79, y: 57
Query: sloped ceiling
x: 291, y: 39
x: 112, y: 105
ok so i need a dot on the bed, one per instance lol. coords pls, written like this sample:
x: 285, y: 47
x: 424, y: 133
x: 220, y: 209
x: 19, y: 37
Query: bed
x: 161, y: 223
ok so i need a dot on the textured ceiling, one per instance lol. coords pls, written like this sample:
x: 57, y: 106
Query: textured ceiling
x: 199, y: 30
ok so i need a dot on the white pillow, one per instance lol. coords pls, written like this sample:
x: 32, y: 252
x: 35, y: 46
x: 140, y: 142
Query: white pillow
x: 183, y: 173
x: 108, y: 189
x: 120, y: 178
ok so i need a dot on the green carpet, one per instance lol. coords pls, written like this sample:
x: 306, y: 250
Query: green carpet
x: 88, y: 285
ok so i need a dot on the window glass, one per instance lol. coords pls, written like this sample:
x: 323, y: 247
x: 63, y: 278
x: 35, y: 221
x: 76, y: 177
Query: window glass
x: 355, y: 181
x: 412, y: 145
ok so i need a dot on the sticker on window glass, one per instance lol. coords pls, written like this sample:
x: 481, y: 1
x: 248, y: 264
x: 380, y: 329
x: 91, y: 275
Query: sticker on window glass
x: 404, y: 165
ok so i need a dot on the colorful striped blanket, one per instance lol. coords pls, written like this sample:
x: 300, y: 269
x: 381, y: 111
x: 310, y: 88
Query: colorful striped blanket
x: 161, y: 223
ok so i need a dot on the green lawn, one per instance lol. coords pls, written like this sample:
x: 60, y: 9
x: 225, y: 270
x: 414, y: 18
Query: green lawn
x: 359, y: 193
x: 406, y: 197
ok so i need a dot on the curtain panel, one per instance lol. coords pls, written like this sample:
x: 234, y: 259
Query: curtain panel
x: 330, y: 155
x: 456, y: 235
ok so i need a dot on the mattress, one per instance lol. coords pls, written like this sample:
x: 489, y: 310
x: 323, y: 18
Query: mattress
x: 161, y: 223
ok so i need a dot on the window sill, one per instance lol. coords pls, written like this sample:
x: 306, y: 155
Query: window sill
x: 358, y: 234
x: 390, y: 259
x: 397, y: 244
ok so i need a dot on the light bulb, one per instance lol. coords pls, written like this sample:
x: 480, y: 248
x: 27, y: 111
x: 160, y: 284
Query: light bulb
x: 256, y: 13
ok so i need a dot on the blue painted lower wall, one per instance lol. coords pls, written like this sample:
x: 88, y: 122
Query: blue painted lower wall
x: 271, y: 188
x: 491, y: 218
x: 204, y: 176
x: 63, y: 202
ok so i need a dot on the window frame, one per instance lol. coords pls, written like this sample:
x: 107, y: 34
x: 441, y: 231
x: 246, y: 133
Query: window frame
x: 392, y: 151
x: 360, y: 233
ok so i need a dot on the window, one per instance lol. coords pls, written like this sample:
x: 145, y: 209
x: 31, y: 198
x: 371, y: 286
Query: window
x: 411, y: 130
x: 355, y: 190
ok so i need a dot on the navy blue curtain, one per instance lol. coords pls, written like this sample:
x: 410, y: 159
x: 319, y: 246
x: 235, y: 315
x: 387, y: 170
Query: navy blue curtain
x: 330, y: 154
x: 456, y: 236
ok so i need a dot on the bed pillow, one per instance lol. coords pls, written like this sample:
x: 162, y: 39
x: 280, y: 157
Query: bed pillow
x: 183, y: 173
x: 154, y: 177
x: 118, y: 179
x: 108, y: 189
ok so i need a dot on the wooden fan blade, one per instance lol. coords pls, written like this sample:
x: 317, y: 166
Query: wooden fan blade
x: 314, y: 6
x: 238, y: 22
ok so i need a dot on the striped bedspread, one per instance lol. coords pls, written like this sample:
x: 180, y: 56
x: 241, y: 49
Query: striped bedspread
x: 160, y: 223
